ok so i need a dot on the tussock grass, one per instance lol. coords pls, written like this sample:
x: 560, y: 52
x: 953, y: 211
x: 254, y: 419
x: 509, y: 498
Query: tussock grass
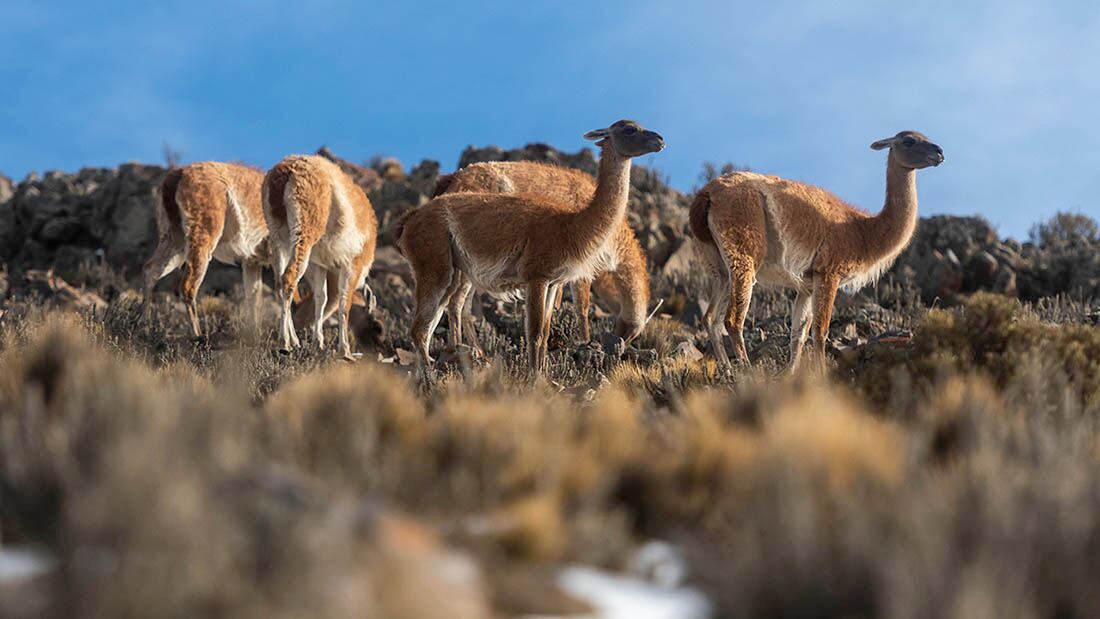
x: 953, y: 477
x: 997, y: 337
x: 664, y: 382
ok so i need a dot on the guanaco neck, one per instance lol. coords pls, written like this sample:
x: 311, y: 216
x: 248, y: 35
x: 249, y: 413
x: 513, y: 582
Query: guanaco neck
x: 891, y: 229
x: 589, y: 228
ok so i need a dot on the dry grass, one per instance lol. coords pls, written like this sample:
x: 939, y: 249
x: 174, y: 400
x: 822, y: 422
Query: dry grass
x: 955, y: 477
x: 996, y: 337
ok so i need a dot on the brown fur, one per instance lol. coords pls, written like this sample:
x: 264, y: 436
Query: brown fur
x: 443, y: 185
x: 274, y: 192
x: 697, y: 216
x: 624, y: 290
x: 323, y: 227
x: 199, y: 221
x: 752, y: 227
x: 168, y: 195
x: 503, y: 242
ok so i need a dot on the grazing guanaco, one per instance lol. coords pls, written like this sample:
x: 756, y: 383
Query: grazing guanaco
x: 754, y: 228
x: 505, y: 242
x: 623, y: 287
x: 209, y: 210
x: 323, y: 227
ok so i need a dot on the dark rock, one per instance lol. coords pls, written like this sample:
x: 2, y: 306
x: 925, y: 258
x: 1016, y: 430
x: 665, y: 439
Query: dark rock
x: 369, y: 329
x: 613, y: 345
x: 590, y: 355
x: 130, y: 235
x: 683, y: 260
x: 60, y: 229
x: 1063, y: 258
x: 423, y: 177
x: 646, y: 356
x: 69, y: 260
x: 94, y: 208
x: 64, y: 220
x: 391, y: 170
x: 980, y: 271
x: 687, y: 350
x: 691, y: 311
x: 221, y: 278
x: 391, y: 201
x: 367, y: 178
x: 9, y: 232
x: 1005, y: 282
x: 542, y: 153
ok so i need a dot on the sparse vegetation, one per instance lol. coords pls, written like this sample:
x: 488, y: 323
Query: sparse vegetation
x: 954, y: 476
x: 945, y: 466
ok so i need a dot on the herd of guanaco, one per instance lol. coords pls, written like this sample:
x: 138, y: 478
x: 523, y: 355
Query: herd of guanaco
x: 529, y: 228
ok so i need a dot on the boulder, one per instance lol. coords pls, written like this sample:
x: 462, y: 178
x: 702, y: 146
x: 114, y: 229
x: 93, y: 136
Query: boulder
x: 583, y: 159
x: 613, y: 345
x: 687, y: 350
x: 683, y: 260
x: 367, y: 178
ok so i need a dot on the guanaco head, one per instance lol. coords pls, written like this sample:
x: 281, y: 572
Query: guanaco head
x: 628, y: 139
x: 630, y: 327
x: 912, y: 150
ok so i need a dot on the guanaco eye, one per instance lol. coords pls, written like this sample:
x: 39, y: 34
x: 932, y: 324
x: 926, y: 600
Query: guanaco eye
x: 908, y: 141
x: 630, y: 131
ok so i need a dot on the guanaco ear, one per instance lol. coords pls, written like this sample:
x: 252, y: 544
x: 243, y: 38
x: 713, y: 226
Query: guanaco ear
x: 883, y: 143
x: 597, y: 134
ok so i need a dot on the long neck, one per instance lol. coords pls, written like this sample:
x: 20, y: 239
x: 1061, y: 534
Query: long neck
x: 590, y: 227
x: 892, y: 228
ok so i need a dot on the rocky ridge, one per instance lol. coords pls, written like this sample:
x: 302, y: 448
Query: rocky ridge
x: 68, y: 221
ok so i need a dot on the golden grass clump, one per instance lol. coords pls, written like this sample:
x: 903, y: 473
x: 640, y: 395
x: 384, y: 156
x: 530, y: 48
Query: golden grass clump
x: 664, y: 381
x: 179, y: 478
x: 157, y: 497
x: 995, y: 336
x: 832, y: 438
x: 663, y: 335
x: 356, y: 422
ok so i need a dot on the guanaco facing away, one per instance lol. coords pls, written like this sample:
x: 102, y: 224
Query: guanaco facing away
x: 504, y: 242
x: 623, y: 287
x: 322, y: 227
x: 754, y: 228
x: 209, y: 210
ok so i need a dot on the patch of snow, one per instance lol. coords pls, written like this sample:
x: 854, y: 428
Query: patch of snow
x: 660, y: 563
x: 22, y: 563
x: 624, y: 597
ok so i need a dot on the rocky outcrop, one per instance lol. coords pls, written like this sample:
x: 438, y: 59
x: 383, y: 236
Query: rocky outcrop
x: 367, y: 178
x: 105, y: 216
x: 63, y: 220
x: 954, y: 256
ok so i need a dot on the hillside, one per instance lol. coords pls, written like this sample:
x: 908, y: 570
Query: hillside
x: 946, y: 466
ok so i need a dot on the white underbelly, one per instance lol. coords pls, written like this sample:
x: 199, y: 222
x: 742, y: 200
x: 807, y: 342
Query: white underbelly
x: 239, y: 241
x: 338, y: 250
x: 606, y: 259
x: 772, y: 274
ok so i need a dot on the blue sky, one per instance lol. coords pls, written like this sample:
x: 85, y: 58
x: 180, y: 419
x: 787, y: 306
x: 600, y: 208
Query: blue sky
x: 800, y: 89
